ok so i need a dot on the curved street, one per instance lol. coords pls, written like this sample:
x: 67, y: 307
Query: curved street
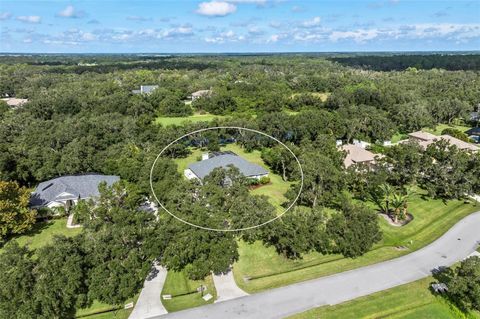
x: 458, y: 243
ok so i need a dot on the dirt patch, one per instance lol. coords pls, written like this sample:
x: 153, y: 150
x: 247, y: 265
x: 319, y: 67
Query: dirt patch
x: 252, y: 187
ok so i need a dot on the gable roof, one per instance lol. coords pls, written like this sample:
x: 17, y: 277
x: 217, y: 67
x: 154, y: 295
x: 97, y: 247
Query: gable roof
x: 424, y: 136
x: 356, y: 154
x: 205, y: 167
x: 69, y: 187
x: 148, y: 88
x: 473, y: 131
x: 14, y: 102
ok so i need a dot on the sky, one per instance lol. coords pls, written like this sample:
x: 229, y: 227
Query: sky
x: 186, y: 26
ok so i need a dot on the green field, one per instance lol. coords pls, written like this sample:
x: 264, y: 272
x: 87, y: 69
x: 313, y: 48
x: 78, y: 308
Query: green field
x: 183, y: 291
x: 275, y: 191
x: 266, y: 269
x: 166, y: 121
x: 440, y: 127
x: 42, y: 233
x: 99, y: 310
x: 410, y: 301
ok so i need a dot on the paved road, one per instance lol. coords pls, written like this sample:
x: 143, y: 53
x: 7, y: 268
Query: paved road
x: 226, y: 287
x: 455, y: 245
x: 149, y: 303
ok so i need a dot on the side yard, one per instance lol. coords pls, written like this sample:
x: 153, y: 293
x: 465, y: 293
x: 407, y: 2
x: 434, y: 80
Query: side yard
x: 260, y: 268
x: 42, y: 233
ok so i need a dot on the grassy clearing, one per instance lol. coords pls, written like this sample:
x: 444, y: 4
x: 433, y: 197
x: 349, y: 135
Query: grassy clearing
x: 275, y: 191
x: 412, y: 300
x: 99, y: 310
x: 184, y: 293
x: 42, y: 233
x: 440, y: 127
x: 322, y: 96
x: 267, y: 269
x: 197, y: 117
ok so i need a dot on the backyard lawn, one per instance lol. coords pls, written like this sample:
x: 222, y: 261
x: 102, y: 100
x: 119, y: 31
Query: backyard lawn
x: 260, y: 268
x: 440, y: 127
x: 413, y: 300
x: 184, y: 291
x: 42, y: 233
x: 197, y: 117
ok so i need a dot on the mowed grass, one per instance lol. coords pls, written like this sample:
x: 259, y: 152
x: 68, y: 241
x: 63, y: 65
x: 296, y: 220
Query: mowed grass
x: 440, y: 127
x: 274, y: 191
x: 99, y: 310
x: 179, y: 121
x: 42, y: 233
x: 266, y: 269
x: 412, y: 301
x: 184, y: 291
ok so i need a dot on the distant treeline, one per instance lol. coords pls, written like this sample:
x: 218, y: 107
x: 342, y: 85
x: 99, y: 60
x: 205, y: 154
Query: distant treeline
x: 449, y: 62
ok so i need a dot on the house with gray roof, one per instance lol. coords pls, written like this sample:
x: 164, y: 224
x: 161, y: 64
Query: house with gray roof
x: 213, y: 160
x: 145, y: 89
x: 68, y: 190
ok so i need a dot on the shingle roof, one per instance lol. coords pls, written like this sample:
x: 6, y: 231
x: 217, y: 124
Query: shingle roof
x: 148, y: 88
x: 425, y: 136
x: 473, y: 131
x: 69, y: 187
x: 356, y: 154
x: 205, y: 167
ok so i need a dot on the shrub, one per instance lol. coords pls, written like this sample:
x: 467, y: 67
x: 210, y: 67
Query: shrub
x: 264, y: 180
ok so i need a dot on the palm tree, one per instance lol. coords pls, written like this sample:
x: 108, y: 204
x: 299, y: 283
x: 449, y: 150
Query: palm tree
x: 399, y: 204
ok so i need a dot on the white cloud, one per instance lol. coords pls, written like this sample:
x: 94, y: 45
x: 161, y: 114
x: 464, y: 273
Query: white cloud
x: 359, y: 36
x: 30, y: 19
x: 87, y: 36
x: 315, y: 22
x: 216, y: 8
x: 5, y: 15
x: 71, y: 12
x: 227, y: 36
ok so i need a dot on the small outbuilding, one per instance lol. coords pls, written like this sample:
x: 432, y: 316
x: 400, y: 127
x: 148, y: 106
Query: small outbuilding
x: 145, y: 89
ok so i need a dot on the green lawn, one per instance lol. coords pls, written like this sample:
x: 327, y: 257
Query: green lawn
x: 183, y: 291
x: 275, y: 191
x: 99, y: 310
x: 266, y: 269
x: 440, y: 127
x: 165, y: 121
x: 411, y: 301
x: 42, y: 233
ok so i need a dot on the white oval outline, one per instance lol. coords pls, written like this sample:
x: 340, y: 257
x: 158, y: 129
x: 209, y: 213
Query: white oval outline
x: 217, y: 128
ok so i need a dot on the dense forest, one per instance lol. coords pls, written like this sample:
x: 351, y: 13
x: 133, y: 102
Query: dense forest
x: 81, y: 116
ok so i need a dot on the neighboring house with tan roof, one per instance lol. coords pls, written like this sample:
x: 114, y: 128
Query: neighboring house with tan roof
x: 357, y: 155
x: 424, y: 139
x: 14, y: 102
x: 422, y: 136
x: 199, y: 94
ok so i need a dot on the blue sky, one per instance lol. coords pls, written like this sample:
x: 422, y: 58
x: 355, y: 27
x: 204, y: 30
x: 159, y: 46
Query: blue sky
x: 238, y: 26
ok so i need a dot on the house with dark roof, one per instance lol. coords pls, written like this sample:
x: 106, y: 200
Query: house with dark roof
x: 209, y: 162
x: 68, y: 190
x: 145, y: 89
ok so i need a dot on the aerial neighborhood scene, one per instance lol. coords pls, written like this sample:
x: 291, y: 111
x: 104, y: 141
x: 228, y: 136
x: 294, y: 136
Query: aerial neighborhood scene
x: 239, y: 159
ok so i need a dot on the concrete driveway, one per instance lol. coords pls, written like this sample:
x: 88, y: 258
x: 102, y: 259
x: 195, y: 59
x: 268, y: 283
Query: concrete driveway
x: 459, y: 242
x: 149, y: 303
x: 226, y: 287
